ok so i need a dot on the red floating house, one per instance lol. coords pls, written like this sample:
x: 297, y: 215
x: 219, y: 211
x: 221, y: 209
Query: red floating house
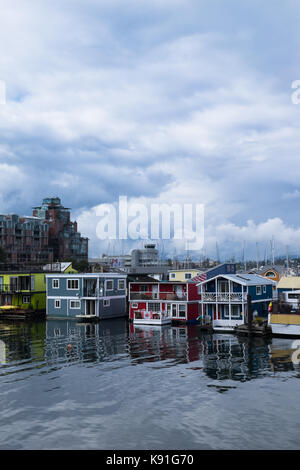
x: 178, y: 300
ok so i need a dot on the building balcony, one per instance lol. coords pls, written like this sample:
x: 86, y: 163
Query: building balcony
x: 223, y: 297
x: 7, y: 289
x: 157, y: 296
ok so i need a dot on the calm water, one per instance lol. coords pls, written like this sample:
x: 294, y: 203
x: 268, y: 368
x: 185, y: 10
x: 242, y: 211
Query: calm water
x: 66, y: 385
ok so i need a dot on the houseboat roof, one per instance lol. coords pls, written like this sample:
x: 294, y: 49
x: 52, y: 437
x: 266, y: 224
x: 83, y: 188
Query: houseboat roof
x: 244, y: 279
x: 185, y: 270
x: 75, y: 275
x: 289, y: 282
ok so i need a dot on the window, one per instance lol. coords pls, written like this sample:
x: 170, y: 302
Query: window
x: 134, y: 305
x: 55, y: 283
x: 181, y: 310
x: 74, y: 303
x: 172, y: 275
x: 26, y: 299
x: 258, y: 290
x: 270, y: 274
x: 264, y: 289
x: 106, y: 303
x: 154, y: 307
x: 144, y: 288
x: 121, y: 284
x: 187, y: 276
x: 109, y: 284
x: 235, y: 311
x: 57, y: 303
x: 73, y: 284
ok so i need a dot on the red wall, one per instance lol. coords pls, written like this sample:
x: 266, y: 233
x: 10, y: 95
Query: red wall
x: 193, y: 292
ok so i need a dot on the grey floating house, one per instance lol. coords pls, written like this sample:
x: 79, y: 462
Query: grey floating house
x: 101, y: 295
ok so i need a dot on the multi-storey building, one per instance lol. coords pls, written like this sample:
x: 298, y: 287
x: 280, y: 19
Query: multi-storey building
x: 64, y: 239
x: 25, y: 240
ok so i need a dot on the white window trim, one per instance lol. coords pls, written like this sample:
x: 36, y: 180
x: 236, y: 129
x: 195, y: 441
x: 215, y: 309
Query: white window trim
x: 189, y: 276
x: 75, y: 308
x: 258, y: 290
x: 264, y: 289
x: 135, y: 305
x: 106, y: 281
x: 121, y: 280
x: 106, y: 303
x: 172, y: 275
x: 72, y: 288
x: 53, y: 280
x: 59, y: 302
x: 26, y: 297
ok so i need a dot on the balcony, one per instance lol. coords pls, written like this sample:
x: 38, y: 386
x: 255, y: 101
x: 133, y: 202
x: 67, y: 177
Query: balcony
x: 223, y: 297
x: 91, y: 292
x: 12, y: 289
x: 157, y: 296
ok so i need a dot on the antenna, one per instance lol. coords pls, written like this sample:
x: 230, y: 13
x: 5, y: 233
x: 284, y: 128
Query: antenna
x: 243, y: 256
x: 218, y: 253
x: 257, y: 255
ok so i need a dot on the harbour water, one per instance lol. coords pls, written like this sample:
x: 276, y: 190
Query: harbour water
x: 110, y: 385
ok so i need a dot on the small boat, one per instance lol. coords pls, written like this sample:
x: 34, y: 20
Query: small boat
x: 13, y: 312
x: 145, y: 317
x: 285, y: 324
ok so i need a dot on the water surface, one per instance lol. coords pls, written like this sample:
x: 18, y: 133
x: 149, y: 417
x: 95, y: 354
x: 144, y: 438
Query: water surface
x: 69, y: 385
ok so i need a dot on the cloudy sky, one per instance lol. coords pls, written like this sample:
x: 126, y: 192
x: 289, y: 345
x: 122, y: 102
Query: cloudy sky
x: 177, y: 101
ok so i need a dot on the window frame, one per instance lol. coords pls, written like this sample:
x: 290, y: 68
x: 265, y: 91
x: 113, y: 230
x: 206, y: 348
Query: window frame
x: 53, y: 281
x: 258, y: 290
x: 106, y: 281
x: 72, y: 280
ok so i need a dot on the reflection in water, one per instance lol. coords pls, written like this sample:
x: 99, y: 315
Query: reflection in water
x: 221, y: 357
x: 173, y: 386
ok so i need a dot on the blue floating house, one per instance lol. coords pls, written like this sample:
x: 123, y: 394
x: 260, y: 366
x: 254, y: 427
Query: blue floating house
x: 86, y: 296
x: 224, y: 299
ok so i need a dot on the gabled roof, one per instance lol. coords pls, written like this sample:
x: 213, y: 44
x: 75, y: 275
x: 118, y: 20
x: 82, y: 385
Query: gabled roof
x: 278, y: 268
x: 243, y: 279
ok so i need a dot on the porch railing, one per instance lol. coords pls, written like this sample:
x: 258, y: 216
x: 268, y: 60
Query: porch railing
x: 8, y: 289
x: 223, y: 297
x: 149, y: 315
x: 156, y: 296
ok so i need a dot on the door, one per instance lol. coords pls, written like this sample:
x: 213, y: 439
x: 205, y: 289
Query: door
x: 174, y: 310
x: 155, y: 291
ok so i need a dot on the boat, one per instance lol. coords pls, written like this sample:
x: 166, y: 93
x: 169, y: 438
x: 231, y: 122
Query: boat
x: 285, y: 324
x: 146, y: 317
x: 13, y: 312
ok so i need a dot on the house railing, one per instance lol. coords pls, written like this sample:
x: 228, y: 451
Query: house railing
x: 223, y: 297
x: 92, y: 292
x: 149, y: 315
x: 157, y: 296
x: 8, y: 289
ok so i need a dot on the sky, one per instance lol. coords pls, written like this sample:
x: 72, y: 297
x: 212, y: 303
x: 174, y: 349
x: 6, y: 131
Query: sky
x: 170, y: 101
